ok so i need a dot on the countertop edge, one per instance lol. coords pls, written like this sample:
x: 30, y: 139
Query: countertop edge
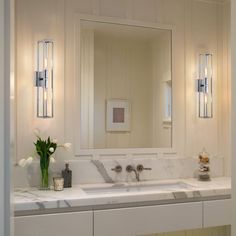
x: 35, y: 202
x: 118, y: 206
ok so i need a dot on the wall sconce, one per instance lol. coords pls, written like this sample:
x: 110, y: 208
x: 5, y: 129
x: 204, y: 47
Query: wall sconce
x: 205, y: 106
x: 44, y: 78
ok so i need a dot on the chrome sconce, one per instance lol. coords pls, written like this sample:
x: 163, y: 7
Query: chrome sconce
x: 44, y: 78
x: 205, y: 106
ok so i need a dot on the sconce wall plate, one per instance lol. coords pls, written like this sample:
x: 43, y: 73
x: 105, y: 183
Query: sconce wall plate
x: 44, y: 78
x: 205, y: 106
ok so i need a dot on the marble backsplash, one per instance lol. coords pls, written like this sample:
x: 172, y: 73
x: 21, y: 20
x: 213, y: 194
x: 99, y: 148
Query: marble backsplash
x: 99, y: 171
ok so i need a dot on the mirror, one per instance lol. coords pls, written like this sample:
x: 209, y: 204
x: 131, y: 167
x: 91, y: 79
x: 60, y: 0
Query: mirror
x: 125, y: 86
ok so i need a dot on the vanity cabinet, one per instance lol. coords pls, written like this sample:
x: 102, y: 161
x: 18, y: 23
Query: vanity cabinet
x: 131, y: 221
x: 147, y: 219
x: 217, y: 213
x: 71, y: 224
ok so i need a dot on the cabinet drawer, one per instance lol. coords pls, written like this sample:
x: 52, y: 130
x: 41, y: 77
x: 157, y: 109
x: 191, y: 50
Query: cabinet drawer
x: 147, y: 220
x: 217, y: 213
x: 61, y: 224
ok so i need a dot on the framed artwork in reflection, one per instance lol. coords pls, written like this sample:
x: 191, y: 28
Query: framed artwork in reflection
x: 118, y: 115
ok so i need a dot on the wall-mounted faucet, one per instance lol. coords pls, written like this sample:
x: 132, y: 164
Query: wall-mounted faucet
x: 117, y: 169
x: 136, y: 170
x: 130, y: 168
x: 140, y: 168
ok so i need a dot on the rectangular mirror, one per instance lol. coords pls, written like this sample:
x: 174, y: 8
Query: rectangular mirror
x: 125, y: 86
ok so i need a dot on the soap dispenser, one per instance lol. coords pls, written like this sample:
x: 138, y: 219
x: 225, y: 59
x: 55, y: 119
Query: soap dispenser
x: 67, y: 175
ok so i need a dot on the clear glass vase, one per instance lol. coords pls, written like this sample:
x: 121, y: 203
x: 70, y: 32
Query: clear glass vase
x: 44, y: 179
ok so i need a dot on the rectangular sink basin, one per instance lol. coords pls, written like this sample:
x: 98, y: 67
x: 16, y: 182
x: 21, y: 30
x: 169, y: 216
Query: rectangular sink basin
x: 119, y: 188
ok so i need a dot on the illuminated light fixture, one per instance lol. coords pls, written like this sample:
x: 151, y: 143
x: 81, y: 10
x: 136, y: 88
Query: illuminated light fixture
x: 44, y: 78
x: 205, y: 106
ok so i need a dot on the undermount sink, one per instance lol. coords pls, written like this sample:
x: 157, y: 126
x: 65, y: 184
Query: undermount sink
x: 123, y: 188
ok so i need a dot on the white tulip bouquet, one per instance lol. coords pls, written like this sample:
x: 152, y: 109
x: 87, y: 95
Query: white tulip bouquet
x: 44, y: 149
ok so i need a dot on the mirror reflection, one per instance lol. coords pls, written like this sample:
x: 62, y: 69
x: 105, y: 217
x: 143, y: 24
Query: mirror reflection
x: 125, y: 86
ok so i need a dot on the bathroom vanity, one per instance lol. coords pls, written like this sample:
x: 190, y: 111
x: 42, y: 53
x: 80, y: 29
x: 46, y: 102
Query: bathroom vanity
x: 127, y: 209
x: 125, y: 94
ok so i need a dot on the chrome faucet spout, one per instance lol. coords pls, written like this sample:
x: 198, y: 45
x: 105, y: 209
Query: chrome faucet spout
x: 130, y: 168
x: 137, y: 175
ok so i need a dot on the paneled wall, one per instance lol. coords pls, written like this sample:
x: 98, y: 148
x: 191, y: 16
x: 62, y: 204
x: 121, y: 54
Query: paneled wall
x: 131, y: 69
x: 204, y: 33
x: 123, y: 71
x: 161, y: 75
x: 37, y: 20
x: 198, y: 26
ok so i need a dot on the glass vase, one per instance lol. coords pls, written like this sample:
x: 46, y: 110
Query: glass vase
x: 44, y: 179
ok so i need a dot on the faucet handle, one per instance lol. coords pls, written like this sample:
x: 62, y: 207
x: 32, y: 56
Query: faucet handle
x: 140, y: 168
x: 117, y: 169
x: 129, y: 168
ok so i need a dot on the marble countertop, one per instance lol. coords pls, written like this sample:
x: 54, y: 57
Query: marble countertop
x: 34, y: 201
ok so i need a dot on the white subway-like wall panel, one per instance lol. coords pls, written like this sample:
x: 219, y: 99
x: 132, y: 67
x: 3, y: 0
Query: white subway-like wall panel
x: 145, y: 10
x: 192, y: 31
x: 123, y: 70
x: 113, y: 8
x: 29, y: 29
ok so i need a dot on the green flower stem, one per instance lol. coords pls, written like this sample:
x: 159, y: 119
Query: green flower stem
x: 42, y: 148
x: 44, y: 178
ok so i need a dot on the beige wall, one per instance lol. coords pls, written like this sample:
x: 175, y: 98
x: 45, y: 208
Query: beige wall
x: 198, y: 26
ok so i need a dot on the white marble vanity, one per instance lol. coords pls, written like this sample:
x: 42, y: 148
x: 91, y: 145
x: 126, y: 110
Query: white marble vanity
x: 144, y: 55
x: 124, y: 209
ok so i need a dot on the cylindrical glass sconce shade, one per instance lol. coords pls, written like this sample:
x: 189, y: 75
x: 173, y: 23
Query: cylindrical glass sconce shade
x: 44, y: 79
x: 205, y: 106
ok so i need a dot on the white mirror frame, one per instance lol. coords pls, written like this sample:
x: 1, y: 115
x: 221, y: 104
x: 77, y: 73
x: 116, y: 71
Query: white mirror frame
x: 119, y: 152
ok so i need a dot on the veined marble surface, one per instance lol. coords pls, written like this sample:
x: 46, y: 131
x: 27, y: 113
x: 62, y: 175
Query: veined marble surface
x: 99, y: 170
x: 33, y: 199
